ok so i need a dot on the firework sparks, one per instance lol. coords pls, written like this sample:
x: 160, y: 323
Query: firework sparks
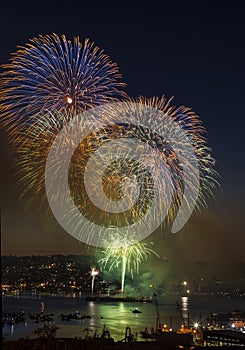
x: 124, y: 253
x: 93, y: 274
x: 51, y: 73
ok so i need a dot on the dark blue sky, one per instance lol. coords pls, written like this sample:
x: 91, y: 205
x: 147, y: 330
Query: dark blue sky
x: 188, y: 49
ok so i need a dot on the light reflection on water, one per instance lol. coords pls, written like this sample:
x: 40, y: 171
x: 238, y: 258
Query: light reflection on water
x: 185, y: 310
x: 115, y: 316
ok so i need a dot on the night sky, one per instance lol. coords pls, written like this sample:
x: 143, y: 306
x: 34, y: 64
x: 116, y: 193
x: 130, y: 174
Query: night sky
x: 191, y: 50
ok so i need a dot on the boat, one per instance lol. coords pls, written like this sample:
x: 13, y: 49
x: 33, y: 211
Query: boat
x: 64, y: 317
x: 75, y: 316
x: 136, y: 311
x: 118, y: 299
x: 41, y: 317
x: 13, y: 317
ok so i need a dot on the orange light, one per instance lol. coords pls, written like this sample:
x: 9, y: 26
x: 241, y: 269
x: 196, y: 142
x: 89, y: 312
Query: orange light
x: 69, y: 100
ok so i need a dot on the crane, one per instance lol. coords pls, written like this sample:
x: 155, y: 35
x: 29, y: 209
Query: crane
x: 158, y: 322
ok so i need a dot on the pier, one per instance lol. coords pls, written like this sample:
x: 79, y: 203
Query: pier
x: 223, y: 337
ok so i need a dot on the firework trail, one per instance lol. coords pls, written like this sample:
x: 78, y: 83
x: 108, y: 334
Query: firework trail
x: 93, y: 274
x: 124, y: 253
x: 51, y: 73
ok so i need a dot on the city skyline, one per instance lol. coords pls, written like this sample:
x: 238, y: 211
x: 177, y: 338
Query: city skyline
x: 59, y: 274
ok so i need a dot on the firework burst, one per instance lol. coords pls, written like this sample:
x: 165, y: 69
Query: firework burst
x: 124, y: 253
x: 140, y: 176
x: 51, y: 73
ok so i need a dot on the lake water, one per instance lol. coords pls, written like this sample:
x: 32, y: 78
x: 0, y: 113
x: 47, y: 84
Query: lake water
x: 116, y: 315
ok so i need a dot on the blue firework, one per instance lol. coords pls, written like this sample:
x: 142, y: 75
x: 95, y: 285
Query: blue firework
x: 51, y: 73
